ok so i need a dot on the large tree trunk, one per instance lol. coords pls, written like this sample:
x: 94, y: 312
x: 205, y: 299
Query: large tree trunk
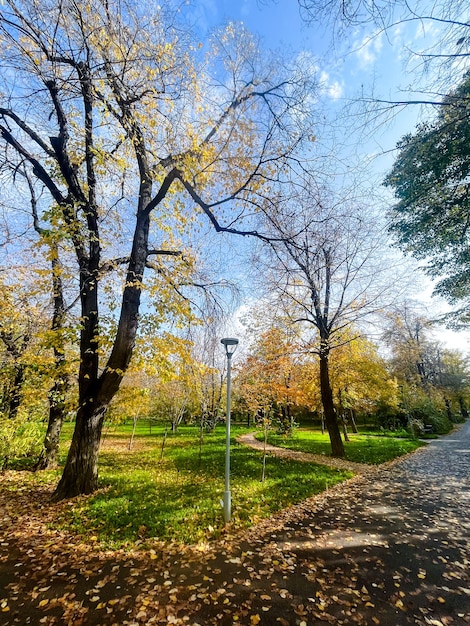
x: 337, y: 447
x: 80, y: 475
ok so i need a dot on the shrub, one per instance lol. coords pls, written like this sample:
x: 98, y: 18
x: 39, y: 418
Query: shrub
x: 389, y: 418
x: 19, y: 438
x: 426, y: 410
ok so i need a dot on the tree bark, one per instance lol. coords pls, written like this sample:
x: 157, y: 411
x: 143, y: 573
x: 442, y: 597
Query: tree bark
x: 448, y: 409
x: 15, y: 391
x: 342, y: 412
x: 80, y: 475
x: 48, y: 457
x: 58, y: 392
x: 337, y: 447
x: 353, y: 421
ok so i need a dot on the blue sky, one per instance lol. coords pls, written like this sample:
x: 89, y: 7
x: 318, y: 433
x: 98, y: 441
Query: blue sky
x: 366, y: 62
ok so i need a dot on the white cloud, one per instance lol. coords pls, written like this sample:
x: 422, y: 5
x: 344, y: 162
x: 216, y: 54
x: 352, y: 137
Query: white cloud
x: 335, y: 90
x: 369, y: 49
x: 332, y: 88
x: 426, y: 30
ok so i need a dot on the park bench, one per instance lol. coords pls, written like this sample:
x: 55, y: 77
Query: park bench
x: 428, y: 429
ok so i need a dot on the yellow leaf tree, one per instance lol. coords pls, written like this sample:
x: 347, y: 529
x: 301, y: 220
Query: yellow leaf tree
x: 132, y: 135
x: 361, y: 379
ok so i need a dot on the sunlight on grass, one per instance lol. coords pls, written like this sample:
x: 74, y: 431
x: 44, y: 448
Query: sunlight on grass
x: 169, y: 486
x: 177, y: 497
x: 371, y: 449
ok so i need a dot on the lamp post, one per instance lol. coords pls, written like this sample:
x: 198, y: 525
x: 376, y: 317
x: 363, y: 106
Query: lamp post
x: 230, y: 345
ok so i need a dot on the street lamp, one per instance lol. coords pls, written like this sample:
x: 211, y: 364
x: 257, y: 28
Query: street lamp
x: 230, y: 346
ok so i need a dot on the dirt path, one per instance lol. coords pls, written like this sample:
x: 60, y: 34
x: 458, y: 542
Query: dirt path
x: 358, y: 468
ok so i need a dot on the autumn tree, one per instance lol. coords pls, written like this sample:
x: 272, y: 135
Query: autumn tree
x: 361, y: 379
x: 269, y: 379
x: 25, y: 367
x: 207, y: 366
x: 420, y: 364
x: 156, y: 386
x: 407, y: 333
x: 42, y: 296
x: 454, y: 378
x: 131, y: 135
x: 326, y: 273
x: 57, y: 340
x: 59, y: 336
x: 16, y: 336
x: 175, y: 393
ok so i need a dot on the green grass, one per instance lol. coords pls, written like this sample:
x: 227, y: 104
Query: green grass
x: 178, y: 497
x: 362, y: 448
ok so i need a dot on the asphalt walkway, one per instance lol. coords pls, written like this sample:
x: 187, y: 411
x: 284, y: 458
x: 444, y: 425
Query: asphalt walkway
x: 389, y: 548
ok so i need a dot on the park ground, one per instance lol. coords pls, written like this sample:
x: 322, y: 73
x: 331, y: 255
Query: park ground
x: 390, y: 547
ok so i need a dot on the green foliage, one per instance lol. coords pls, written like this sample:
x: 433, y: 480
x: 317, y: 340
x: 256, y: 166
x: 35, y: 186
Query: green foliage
x: 178, y: 497
x: 430, y: 179
x: 361, y: 448
x: 20, y: 439
x: 390, y: 418
x: 428, y: 411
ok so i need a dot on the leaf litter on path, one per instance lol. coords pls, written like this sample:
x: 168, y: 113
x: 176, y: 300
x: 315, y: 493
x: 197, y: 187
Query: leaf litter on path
x: 388, y: 548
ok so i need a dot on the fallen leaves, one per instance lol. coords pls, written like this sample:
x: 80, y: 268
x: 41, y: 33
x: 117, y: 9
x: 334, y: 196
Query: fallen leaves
x: 368, y: 552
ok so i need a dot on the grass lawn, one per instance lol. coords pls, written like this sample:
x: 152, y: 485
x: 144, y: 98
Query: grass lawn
x: 176, y: 496
x: 362, y: 448
x: 170, y: 488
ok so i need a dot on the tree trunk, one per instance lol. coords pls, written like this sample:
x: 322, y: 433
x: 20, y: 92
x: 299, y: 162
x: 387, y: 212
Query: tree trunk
x: 134, y: 427
x: 345, y: 427
x: 448, y: 409
x: 337, y: 447
x: 343, y: 416
x: 15, y: 348
x: 48, y: 457
x: 15, y: 392
x: 163, y: 444
x: 353, y: 421
x: 80, y: 475
x: 57, y: 407
x: 265, y: 443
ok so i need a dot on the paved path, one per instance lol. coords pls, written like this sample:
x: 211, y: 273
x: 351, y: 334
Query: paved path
x: 390, y: 548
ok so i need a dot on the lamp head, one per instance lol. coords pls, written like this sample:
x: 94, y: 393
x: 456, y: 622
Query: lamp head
x: 230, y: 345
